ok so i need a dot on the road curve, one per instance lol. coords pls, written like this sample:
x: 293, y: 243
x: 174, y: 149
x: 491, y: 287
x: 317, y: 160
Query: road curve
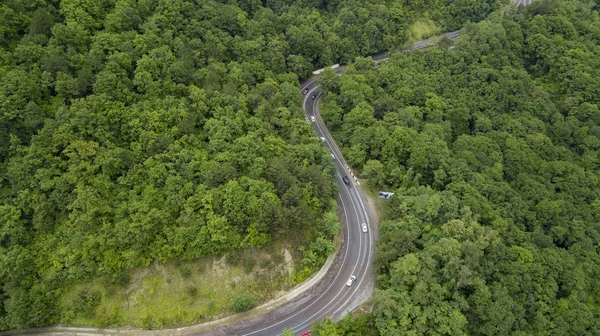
x: 330, y: 296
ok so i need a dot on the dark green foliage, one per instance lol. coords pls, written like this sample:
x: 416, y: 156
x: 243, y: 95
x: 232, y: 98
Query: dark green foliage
x: 242, y: 303
x: 492, y: 150
x: 86, y: 302
x: 141, y: 131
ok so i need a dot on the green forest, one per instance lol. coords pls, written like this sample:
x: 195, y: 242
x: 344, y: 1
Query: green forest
x: 141, y: 131
x: 492, y: 146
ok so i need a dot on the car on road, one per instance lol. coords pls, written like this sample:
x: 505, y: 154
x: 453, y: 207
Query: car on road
x: 350, y: 281
x: 346, y: 180
x: 305, y: 91
x: 313, y: 97
x: 322, y: 139
x: 333, y: 156
x: 378, y: 62
x: 307, y: 333
x: 313, y: 119
x: 364, y: 227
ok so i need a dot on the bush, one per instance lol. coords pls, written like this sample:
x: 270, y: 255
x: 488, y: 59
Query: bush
x: 242, y: 303
x: 86, y: 302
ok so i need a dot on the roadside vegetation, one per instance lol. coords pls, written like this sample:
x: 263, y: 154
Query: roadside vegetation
x: 181, y: 293
x: 492, y: 147
x: 134, y: 133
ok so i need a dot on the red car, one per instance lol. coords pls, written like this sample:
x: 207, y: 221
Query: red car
x: 306, y: 333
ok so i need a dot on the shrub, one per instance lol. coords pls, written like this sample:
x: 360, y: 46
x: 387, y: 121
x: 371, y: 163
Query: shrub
x: 86, y: 302
x: 242, y: 303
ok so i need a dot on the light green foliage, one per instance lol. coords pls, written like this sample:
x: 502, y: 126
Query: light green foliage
x: 324, y: 328
x: 85, y: 303
x: 362, y: 325
x: 374, y: 171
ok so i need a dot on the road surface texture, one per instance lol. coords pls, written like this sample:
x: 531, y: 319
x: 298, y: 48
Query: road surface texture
x: 327, y: 294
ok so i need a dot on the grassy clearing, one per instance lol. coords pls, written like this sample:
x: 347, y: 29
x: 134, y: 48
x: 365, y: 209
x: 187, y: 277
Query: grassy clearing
x: 422, y: 29
x: 182, y: 293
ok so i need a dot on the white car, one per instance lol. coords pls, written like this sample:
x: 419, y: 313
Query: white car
x: 333, y: 156
x: 322, y: 139
x: 364, y: 227
x: 350, y: 281
x: 313, y: 119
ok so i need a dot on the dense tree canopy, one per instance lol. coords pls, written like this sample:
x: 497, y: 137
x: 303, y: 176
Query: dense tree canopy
x: 492, y: 147
x: 134, y: 131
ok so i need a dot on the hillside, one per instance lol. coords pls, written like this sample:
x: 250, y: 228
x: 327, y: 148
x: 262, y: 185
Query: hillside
x: 140, y: 132
x: 492, y: 148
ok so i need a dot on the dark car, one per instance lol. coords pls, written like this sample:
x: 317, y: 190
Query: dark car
x: 346, y: 180
x: 378, y: 62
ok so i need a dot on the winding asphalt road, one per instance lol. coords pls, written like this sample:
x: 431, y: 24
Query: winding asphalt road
x: 330, y: 296
x: 327, y: 297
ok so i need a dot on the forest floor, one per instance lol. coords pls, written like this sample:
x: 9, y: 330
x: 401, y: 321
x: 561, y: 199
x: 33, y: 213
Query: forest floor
x: 182, y: 293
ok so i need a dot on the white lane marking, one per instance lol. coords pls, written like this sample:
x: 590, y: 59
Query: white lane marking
x: 343, y: 289
x: 360, y: 255
x: 334, y: 148
x: 333, y: 282
x: 306, y: 98
x: 370, y: 241
x: 316, y: 111
x: 341, y: 159
x: 417, y: 45
x: 368, y: 255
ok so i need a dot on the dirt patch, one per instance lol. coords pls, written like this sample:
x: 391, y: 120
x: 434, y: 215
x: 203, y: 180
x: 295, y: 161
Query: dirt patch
x: 289, y: 261
x: 219, y: 266
x: 137, y: 277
